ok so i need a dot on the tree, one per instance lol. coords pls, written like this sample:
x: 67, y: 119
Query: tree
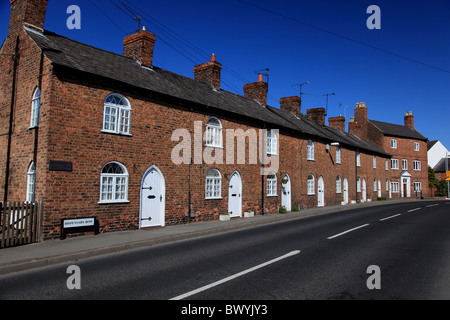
x: 432, y: 180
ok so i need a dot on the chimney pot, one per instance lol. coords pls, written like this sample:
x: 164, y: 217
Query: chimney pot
x: 337, y: 123
x: 257, y: 90
x: 409, y: 120
x: 209, y: 72
x: 140, y: 46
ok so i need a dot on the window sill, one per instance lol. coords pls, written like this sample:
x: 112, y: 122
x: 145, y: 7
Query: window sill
x: 114, y: 202
x: 217, y: 198
x: 214, y: 147
x: 117, y: 133
x: 311, y: 194
x: 32, y: 128
x: 272, y: 195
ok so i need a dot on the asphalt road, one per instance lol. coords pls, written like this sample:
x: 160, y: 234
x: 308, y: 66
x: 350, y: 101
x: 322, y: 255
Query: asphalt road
x: 321, y: 257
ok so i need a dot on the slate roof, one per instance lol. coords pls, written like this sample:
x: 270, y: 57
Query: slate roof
x: 75, y: 55
x: 397, y: 130
x: 440, y: 166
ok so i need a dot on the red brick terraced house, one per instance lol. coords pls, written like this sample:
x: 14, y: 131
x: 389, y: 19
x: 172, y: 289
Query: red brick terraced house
x: 408, y: 167
x: 98, y: 134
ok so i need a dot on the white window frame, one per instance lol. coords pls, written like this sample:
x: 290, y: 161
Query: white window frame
x: 310, y: 151
x: 375, y: 185
x: 358, y: 159
x: 374, y: 162
x: 35, y: 108
x: 214, y: 137
x: 417, y: 166
x: 395, y: 187
x: 114, y: 185
x: 417, y: 186
x: 404, y: 164
x: 386, y: 164
x: 272, y: 185
x: 338, y: 155
x: 213, y: 184
x: 311, y: 185
x: 272, y: 142
x: 393, y: 144
x: 338, y: 184
x: 31, y: 183
x: 116, y: 115
x: 416, y: 146
x: 387, y: 184
x: 394, y: 164
x: 358, y: 184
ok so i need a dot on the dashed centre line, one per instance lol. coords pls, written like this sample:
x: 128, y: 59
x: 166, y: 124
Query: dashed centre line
x: 350, y: 230
x: 390, y: 217
x: 432, y: 205
x: 415, y: 209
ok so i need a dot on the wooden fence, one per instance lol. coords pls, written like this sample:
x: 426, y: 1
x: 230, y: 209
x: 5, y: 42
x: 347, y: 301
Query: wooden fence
x: 20, y: 223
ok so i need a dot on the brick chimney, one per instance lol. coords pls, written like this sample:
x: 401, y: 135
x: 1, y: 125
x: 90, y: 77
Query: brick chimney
x: 409, y: 120
x: 26, y: 12
x: 359, y: 124
x: 291, y: 104
x: 317, y: 114
x: 140, y: 47
x: 337, y: 123
x: 209, y: 72
x: 257, y: 90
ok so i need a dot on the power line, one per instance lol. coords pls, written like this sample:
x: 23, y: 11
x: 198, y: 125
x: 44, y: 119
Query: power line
x: 343, y: 37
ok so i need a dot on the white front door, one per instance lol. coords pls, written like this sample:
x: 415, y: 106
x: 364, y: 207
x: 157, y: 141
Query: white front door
x: 152, y: 199
x: 406, y: 187
x: 379, y: 188
x: 320, y: 193
x: 235, y: 195
x: 286, y: 192
x: 364, y: 194
x: 345, y: 191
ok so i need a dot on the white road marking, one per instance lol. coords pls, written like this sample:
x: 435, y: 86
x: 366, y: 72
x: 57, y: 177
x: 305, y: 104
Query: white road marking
x: 342, y: 233
x: 414, y: 209
x: 214, y: 284
x: 395, y: 215
x: 432, y: 205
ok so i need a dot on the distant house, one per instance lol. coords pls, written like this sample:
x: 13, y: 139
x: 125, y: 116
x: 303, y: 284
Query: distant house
x: 436, y: 152
x: 408, y: 174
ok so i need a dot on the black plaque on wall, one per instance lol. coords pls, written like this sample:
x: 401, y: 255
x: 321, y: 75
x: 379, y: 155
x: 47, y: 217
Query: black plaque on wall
x: 60, y: 166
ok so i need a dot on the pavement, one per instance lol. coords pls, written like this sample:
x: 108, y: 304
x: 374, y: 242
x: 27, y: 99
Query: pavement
x: 50, y: 252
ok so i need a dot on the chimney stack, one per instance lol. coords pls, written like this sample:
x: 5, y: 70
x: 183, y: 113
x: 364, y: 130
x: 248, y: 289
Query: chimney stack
x: 140, y: 46
x: 25, y: 12
x: 209, y: 72
x: 291, y: 104
x: 409, y: 120
x: 257, y: 90
x: 317, y: 114
x: 337, y: 123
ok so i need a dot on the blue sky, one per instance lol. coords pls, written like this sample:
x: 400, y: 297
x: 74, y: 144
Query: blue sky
x: 298, y: 41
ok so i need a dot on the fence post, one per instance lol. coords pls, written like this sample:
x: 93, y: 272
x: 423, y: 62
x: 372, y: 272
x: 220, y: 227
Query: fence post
x: 39, y: 219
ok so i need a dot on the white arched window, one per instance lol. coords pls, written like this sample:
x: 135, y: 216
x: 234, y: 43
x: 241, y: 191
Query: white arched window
x: 311, y: 185
x: 272, y: 142
x: 272, y: 184
x: 213, y: 187
x: 338, y: 184
x: 35, y: 108
x: 31, y: 182
x: 310, y: 150
x: 116, y: 114
x: 114, y: 183
x: 214, y: 133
